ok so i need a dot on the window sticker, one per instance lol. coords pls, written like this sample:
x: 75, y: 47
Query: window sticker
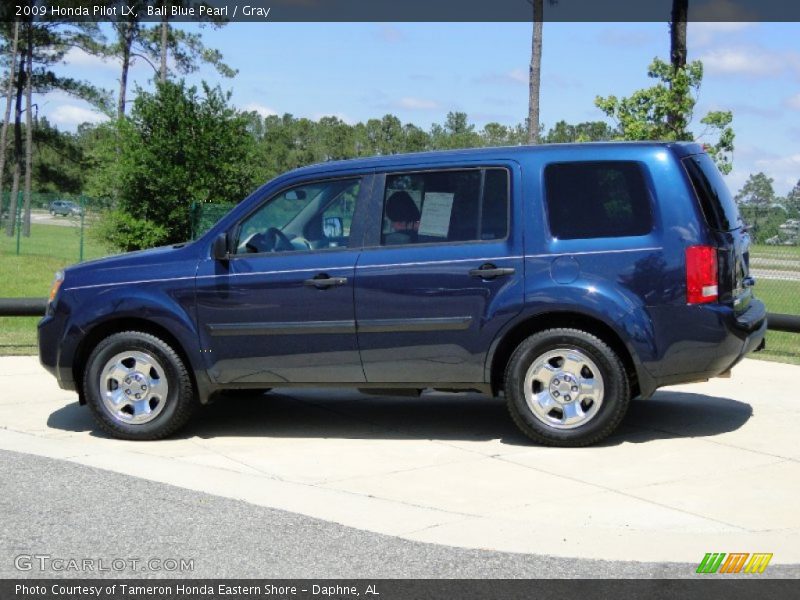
x: 436, y: 210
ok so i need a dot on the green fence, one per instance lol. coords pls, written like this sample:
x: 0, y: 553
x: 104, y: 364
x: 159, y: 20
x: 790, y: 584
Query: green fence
x: 57, y: 225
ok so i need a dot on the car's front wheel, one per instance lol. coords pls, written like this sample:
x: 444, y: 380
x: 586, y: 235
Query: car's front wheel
x: 137, y: 387
x: 566, y: 387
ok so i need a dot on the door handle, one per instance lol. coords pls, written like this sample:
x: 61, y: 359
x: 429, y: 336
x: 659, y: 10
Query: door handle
x: 324, y: 281
x: 489, y: 271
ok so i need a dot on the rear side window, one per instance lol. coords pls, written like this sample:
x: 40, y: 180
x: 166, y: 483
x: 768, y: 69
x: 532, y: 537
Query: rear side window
x: 716, y: 201
x: 597, y: 200
x: 445, y: 206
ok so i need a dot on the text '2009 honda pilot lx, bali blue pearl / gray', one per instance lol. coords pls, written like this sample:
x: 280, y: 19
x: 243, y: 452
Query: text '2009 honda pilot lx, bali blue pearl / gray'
x: 570, y: 278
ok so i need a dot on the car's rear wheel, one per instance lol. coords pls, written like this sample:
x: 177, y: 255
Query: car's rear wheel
x: 566, y: 387
x: 138, y: 387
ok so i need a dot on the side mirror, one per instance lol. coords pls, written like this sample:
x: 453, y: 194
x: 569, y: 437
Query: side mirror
x: 333, y: 227
x: 219, y: 247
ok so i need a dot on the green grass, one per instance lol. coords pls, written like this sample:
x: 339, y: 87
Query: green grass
x: 780, y: 297
x: 50, y: 248
x: 787, y: 252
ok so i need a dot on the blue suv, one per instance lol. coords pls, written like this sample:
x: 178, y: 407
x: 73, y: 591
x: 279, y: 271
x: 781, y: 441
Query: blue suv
x: 570, y: 278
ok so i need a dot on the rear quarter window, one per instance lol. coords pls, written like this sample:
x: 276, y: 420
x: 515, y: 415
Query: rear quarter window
x: 597, y: 200
x: 716, y: 202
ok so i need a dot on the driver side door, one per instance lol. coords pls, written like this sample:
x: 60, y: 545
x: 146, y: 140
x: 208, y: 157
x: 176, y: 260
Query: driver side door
x: 281, y: 308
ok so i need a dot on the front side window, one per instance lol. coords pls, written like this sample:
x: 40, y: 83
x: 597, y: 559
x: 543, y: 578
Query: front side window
x: 445, y: 206
x: 313, y: 216
x: 597, y: 200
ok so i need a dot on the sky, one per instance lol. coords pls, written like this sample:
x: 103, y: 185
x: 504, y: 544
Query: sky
x: 421, y: 71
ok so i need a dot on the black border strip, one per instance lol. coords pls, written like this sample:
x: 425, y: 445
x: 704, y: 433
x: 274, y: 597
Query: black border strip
x: 265, y: 11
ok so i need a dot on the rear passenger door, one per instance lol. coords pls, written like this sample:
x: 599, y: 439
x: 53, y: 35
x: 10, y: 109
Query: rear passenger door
x: 441, y: 274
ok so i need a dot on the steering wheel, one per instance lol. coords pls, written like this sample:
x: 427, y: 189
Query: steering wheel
x: 277, y: 240
x: 272, y: 240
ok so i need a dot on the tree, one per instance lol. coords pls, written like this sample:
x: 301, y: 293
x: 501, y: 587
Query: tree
x: 757, y: 191
x: 677, y: 54
x: 177, y: 148
x: 535, y: 71
x: 589, y: 131
x: 645, y: 114
x: 793, y: 199
x: 758, y: 206
x: 42, y: 45
x: 12, y: 62
x: 186, y: 49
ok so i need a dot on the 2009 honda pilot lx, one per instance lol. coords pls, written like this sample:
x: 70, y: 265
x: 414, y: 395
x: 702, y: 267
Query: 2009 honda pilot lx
x: 571, y: 278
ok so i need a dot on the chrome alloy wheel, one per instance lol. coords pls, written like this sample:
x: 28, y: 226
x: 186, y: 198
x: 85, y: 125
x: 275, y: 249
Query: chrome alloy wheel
x: 134, y: 387
x: 564, y: 388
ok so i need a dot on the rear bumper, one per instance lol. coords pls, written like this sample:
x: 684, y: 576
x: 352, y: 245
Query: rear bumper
x: 700, y: 342
x: 753, y: 324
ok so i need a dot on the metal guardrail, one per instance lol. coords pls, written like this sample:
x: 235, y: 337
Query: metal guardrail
x: 22, y: 307
x: 780, y: 322
x: 35, y: 307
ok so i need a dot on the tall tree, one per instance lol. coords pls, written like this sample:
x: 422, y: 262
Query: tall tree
x: 793, y: 198
x: 186, y: 49
x: 677, y: 54
x: 757, y: 191
x: 26, y: 223
x: 13, y: 204
x: 535, y: 71
x: 44, y: 44
x: 132, y: 42
x: 10, y: 86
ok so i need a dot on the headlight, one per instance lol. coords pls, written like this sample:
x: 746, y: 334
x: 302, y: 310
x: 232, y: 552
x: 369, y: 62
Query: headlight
x: 57, y: 281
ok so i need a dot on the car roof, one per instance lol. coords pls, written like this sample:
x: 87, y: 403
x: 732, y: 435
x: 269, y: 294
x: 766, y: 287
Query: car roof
x: 490, y: 153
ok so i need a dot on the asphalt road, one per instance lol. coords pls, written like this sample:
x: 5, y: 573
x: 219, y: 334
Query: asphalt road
x: 69, y: 511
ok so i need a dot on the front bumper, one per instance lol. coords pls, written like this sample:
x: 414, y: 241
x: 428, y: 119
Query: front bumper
x: 49, y: 332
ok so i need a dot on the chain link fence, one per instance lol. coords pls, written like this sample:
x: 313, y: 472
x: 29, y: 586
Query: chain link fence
x: 57, y: 225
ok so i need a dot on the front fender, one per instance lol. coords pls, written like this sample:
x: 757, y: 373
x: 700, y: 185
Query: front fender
x: 170, y: 309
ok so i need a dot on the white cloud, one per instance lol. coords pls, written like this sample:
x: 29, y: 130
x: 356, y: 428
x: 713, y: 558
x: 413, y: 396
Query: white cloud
x: 704, y: 33
x: 750, y: 61
x: 615, y: 36
x: 514, y: 76
x: 390, y: 33
x: 69, y: 115
x: 412, y: 103
x: 793, y: 102
x: 264, y: 111
x: 785, y: 171
x: 78, y: 58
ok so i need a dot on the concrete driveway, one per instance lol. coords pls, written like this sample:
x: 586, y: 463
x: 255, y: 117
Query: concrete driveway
x: 710, y: 467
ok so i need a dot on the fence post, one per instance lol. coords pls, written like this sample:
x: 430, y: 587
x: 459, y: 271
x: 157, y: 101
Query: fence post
x: 193, y: 218
x: 19, y: 217
x: 83, y: 216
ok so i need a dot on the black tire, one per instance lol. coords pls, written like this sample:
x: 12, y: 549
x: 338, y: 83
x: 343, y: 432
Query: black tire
x: 615, y: 396
x: 180, y: 400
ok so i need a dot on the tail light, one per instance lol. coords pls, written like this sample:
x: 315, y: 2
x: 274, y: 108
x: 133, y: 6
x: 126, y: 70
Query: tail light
x: 702, y: 274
